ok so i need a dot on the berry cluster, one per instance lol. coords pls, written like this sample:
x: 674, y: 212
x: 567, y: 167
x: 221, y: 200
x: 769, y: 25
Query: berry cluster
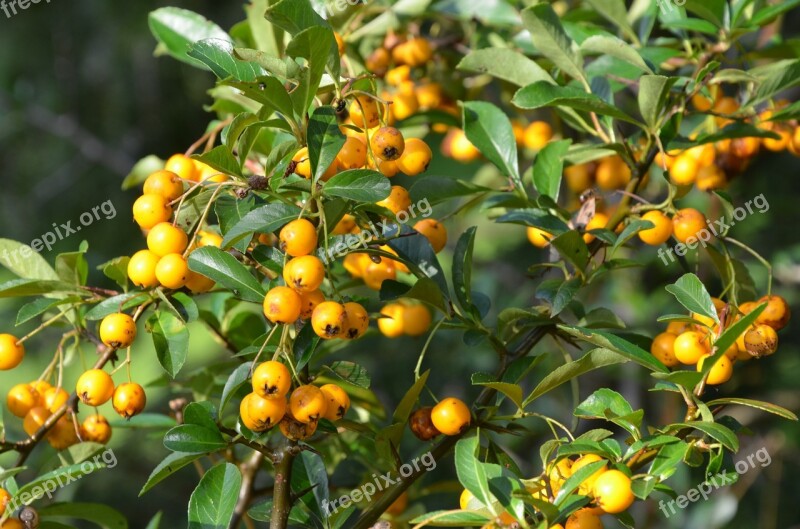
x: 691, y: 343
x: 296, y: 417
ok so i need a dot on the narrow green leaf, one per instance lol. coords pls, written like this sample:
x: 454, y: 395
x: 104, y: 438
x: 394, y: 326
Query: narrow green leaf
x: 692, y: 294
x: 505, y: 64
x: 548, y: 168
x: 552, y: 41
x: 594, y: 359
x: 223, y: 268
x: 489, y: 129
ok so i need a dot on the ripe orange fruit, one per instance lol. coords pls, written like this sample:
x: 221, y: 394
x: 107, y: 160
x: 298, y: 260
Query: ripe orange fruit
x: 720, y: 372
x: 11, y: 353
x: 338, y: 402
x: 612, y: 491
x: 661, y: 230
x: 686, y: 223
x: 172, y: 271
x: 304, y: 273
x: 129, y: 399
x: 117, y: 330
x: 142, y: 269
x: 328, y: 320
x: 164, y: 239
x: 308, y: 403
x: 663, y: 349
x: 690, y: 346
x: 434, y: 231
x: 164, y: 183
x: 451, y: 416
x: 282, y: 305
x: 149, y: 210
x: 298, y: 237
x: 95, y: 387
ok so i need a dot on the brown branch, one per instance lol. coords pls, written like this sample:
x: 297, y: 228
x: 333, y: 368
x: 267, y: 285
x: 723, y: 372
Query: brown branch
x: 281, y: 497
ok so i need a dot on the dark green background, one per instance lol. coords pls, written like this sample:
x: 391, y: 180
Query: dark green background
x: 82, y: 98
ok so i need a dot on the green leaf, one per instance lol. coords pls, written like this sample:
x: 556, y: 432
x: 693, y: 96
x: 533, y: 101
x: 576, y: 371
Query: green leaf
x: 574, y: 481
x: 350, y: 372
x: 653, y: 93
x: 264, y: 219
x: 552, y: 41
x: 409, y: 400
x: 155, y: 521
x: 117, y: 270
x: 40, y: 306
x: 308, y: 472
x: 223, y: 268
x: 72, y: 267
x: 714, y: 430
x: 36, y: 287
x: 632, y: 228
x: 361, y: 185
x: 489, y: 129
x: 668, y: 460
x: 218, y: 55
x: 221, y: 159
x: 325, y: 139
x: 316, y: 44
x: 116, y: 303
x: 538, y: 218
x: 474, y: 474
x: 611, y: 406
x: 462, y: 268
x: 512, y: 391
x: 558, y: 292
x: 102, y: 515
x: 194, y: 439
x: 141, y: 170
x: 237, y: 379
x: 285, y: 68
x: 177, y: 29
x: 571, y: 246
x: 24, y: 262
x: 711, y: 10
x: 616, y: 344
x: 268, y: 91
x: 615, y: 12
x: 454, y: 518
x: 505, y: 64
x: 594, y: 359
x: 692, y: 294
x: 614, y: 47
x: 36, y: 487
x: 775, y: 78
x: 171, y: 464
x: 432, y: 190
x: 212, y: 503
x: 230, y: 210
x: 548, y: 168
x: 293, y: 16
x: 768, y: 13
x: 171, y: 340
x: 542, y: 94
x: 758, y: 404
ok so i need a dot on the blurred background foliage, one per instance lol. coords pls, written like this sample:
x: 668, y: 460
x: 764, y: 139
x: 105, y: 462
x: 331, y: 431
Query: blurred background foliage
x: 82, y: 98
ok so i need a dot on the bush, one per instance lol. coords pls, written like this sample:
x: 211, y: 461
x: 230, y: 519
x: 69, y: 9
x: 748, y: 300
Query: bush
x: 306, y: 216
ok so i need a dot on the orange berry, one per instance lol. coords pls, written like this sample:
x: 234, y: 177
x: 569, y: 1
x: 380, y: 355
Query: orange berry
x: 282, y: 305
x: 663, y: 349
x: 686, y: 223
x: 298, y: 237
x: 164, y: 183
x: 660, y: 232
x: 11, y: 353
x: 304, y: 273
x: 451, y: 416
